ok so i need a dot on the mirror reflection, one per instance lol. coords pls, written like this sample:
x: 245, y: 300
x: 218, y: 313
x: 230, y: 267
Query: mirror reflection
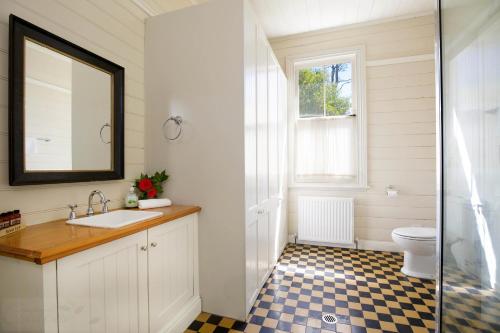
x: 68, y: 112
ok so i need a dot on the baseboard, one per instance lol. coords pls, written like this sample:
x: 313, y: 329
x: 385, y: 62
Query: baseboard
x: 364, y: 244
x: 349, y: 246
x: 185, y: 317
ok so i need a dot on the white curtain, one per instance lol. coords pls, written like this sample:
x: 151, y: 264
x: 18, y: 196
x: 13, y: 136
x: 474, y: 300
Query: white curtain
x: 325, y: 149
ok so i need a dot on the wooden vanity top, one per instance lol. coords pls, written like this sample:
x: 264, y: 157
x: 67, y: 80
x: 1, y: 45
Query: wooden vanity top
x: 49, y: 241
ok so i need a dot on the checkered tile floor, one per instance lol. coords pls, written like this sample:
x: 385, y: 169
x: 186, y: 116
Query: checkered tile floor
x: 363, y: 289
x: 467, y: 305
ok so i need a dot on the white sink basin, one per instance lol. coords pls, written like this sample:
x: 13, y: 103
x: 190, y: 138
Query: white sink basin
x: 115, y: 219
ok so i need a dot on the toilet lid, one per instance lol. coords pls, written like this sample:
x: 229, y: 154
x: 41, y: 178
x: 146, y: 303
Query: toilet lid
x: 416, y: 232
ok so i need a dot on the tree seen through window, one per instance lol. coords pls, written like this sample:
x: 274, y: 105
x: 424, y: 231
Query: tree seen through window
x: 325, y: 90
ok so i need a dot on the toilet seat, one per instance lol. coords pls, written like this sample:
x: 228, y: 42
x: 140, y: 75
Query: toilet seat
x: 416, y: 233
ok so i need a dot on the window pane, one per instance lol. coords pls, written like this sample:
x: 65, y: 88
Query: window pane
x: 311, y: 92
x: 325, y: 90
x: 338, y: 89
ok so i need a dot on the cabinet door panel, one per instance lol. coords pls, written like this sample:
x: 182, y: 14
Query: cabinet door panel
x: 250, y: 114
x: 252, y: 274
x: 272, y: 121
x: 273, y: 158
x: 104, y: 289
x: 262, y: 130
x: 263, y: 246
x: 171, y: 268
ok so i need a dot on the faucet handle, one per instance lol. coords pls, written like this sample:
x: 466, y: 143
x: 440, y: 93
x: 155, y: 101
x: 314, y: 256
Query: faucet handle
x: 105, y: 206
x: 72, y: 214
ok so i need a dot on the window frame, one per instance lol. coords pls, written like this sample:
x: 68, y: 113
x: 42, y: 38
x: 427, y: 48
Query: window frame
x: 356, y: 55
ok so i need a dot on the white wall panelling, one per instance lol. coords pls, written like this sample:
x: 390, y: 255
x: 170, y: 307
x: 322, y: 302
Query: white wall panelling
x: 212, y: 65
x: 401, y: 123
x: 112, y: 29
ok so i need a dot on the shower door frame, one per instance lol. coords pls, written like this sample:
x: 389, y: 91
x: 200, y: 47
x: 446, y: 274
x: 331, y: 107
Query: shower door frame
x: 439, y: 163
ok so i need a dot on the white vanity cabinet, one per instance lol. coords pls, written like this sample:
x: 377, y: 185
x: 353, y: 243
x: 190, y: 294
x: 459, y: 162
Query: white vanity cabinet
x: 105, y: 289
x: 144, y: 282
x: 173, y: 275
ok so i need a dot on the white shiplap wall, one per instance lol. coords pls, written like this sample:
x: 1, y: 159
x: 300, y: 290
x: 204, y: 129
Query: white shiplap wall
x: 113, y: 29
x: 401, y: 123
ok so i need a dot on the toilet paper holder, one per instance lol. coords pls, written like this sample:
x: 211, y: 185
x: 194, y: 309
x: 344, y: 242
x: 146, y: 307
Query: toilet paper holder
x: 391, y: 191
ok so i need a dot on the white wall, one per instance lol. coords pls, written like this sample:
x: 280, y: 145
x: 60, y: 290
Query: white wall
x: 186, y: 77
x: 112, y: 29
x: 401, y: 123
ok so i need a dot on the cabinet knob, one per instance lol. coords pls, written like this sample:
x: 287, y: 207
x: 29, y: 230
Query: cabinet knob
x: 144, y: 248
x: 153, y: 244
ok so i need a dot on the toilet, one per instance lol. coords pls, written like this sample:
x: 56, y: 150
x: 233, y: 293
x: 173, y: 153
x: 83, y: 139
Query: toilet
x: 419, y: 246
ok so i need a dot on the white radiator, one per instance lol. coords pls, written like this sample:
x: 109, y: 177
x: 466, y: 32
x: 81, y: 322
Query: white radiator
x: 326, y: 220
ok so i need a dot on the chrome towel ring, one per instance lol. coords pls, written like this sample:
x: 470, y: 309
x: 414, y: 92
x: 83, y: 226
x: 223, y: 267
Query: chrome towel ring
x: 100, y: 133
x: 178, y: 121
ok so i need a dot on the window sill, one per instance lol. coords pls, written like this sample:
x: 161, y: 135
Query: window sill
x: 328, y: 187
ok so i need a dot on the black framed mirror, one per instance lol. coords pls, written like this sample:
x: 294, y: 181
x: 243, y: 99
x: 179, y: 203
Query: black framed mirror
x: 66, y: 110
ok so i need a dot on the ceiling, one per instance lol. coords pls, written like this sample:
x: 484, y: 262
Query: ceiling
x: 287, y: 17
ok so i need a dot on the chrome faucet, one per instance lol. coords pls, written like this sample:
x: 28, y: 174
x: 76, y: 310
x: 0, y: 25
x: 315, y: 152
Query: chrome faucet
x: 104, y: 202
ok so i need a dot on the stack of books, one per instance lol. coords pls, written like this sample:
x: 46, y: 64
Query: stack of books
x: 10, y: 222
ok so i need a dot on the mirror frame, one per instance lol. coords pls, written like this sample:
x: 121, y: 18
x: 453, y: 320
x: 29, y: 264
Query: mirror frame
x: 19, y: 30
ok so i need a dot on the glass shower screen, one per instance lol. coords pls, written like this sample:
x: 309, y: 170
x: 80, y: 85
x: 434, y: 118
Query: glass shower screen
x: 470, y: 62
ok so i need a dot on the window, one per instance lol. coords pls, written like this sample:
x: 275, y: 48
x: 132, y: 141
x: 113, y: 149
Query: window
x: 327, y: 120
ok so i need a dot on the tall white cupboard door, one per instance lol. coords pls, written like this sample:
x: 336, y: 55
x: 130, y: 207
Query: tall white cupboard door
x: 274, y: 217
x: 272, y: 124
x: 251, y: 200
x: 171, y: 270
x: 282, y: 158
x: 104, y: 289
x: 262, y: 157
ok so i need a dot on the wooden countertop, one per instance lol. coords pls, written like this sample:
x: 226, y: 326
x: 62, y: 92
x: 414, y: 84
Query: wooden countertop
x: 49, y: 241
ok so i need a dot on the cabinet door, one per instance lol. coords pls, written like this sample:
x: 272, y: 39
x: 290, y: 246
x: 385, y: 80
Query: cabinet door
x: 282, y: 158
x: 104, y: 289
x: 274, y: 217
x: 272, y: 124
x: 262, y: 156
x: 171, y: 270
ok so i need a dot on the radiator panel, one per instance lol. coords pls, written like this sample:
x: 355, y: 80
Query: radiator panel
x: 326, y: 219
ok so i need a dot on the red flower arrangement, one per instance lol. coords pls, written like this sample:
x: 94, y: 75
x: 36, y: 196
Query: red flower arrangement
x: 150, y: 186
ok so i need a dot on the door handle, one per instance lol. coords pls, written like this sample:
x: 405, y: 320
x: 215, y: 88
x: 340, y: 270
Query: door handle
x: 153, y: 244
x: 144, y: 248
